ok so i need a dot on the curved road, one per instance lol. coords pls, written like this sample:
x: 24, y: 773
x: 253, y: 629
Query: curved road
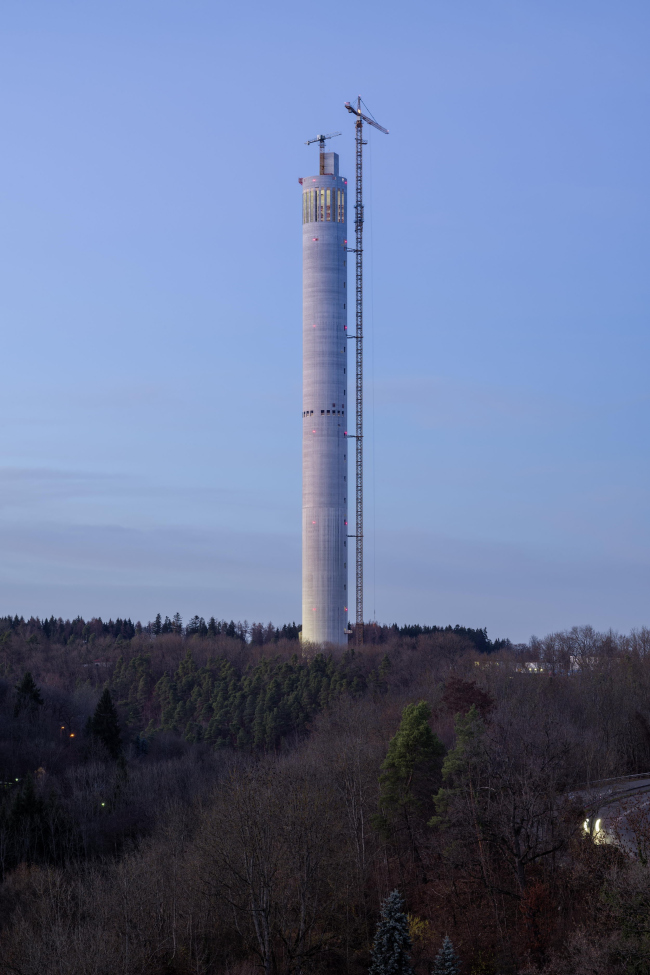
x: 620, y: 813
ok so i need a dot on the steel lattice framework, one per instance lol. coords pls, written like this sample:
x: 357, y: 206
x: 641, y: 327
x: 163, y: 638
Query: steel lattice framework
x: 358, y: 251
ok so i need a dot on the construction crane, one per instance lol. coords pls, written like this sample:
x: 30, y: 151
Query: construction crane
x: 358, y: 251
x: 320, y: 139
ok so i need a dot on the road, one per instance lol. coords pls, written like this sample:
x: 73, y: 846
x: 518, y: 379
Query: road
x: 620, y: 813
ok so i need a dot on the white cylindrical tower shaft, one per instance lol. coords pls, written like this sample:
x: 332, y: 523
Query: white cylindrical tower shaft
x: 325, y: 408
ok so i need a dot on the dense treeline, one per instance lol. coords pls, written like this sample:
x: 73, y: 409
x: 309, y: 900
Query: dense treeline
x: 199, y: 802
x: 218, y: 703
x: 67, y: 631
x: 59, y: 631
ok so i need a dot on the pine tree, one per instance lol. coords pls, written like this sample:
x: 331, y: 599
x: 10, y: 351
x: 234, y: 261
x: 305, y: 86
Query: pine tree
x: 410, y: 770
x: 392, y: 944
x: 157, y: 626
x: 105, y: 726
x: 194, y: 625
x: 447, y: 961
x: 27, y: 695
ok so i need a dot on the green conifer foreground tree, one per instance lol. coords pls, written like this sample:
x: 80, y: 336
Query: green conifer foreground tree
x: 105, y: 726
x: 410, y: 771
x: 392, y: 945
x: 447, y: 961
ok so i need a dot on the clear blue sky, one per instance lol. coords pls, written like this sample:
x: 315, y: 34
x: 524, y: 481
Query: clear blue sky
x: 150, y: 305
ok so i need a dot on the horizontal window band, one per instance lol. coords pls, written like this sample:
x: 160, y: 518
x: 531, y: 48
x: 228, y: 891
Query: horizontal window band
x: 324, y: 413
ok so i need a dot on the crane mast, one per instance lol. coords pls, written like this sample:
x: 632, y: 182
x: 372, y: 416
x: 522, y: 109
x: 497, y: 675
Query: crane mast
x: 358, y: 252
x: 320, y: 139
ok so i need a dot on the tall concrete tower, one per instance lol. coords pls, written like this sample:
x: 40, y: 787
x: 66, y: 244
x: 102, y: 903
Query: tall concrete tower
x: 324, y: 406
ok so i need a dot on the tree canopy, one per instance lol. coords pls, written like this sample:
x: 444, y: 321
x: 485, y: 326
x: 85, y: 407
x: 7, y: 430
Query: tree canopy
x: 105, y: 726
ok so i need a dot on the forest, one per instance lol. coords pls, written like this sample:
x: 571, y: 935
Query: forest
x: 218, y: 798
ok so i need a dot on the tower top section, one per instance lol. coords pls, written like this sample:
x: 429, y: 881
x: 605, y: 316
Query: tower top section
x: 330, y: 164
x: 321, y: 139
x: 329, y: 172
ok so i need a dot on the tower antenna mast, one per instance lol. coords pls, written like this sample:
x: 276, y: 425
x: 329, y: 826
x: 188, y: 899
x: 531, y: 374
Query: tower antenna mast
x: 358, y: 251
x: 320, y: 139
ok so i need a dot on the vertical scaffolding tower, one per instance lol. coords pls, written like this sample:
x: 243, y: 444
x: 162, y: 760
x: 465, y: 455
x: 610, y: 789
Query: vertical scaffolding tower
x: 360, y: 118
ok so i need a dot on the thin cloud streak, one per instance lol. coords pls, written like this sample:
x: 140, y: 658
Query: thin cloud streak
x: 92, y: 568
x: 514, y: 590
x: 421, y: 577
x: 29, y: 488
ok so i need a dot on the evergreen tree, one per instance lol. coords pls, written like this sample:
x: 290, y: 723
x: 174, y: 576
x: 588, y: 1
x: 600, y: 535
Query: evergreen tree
x: 196, y: 627
x: 410, y: 770
x: 392, y: 945
x: 27, y: 695
x: 26, y: 822
x: 447, y: 961
x: 459, y: 762
x: 105, y: 726
x: 157, y: 626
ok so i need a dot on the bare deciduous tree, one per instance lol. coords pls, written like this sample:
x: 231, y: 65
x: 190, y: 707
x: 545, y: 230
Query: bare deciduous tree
x: 266, y: 844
